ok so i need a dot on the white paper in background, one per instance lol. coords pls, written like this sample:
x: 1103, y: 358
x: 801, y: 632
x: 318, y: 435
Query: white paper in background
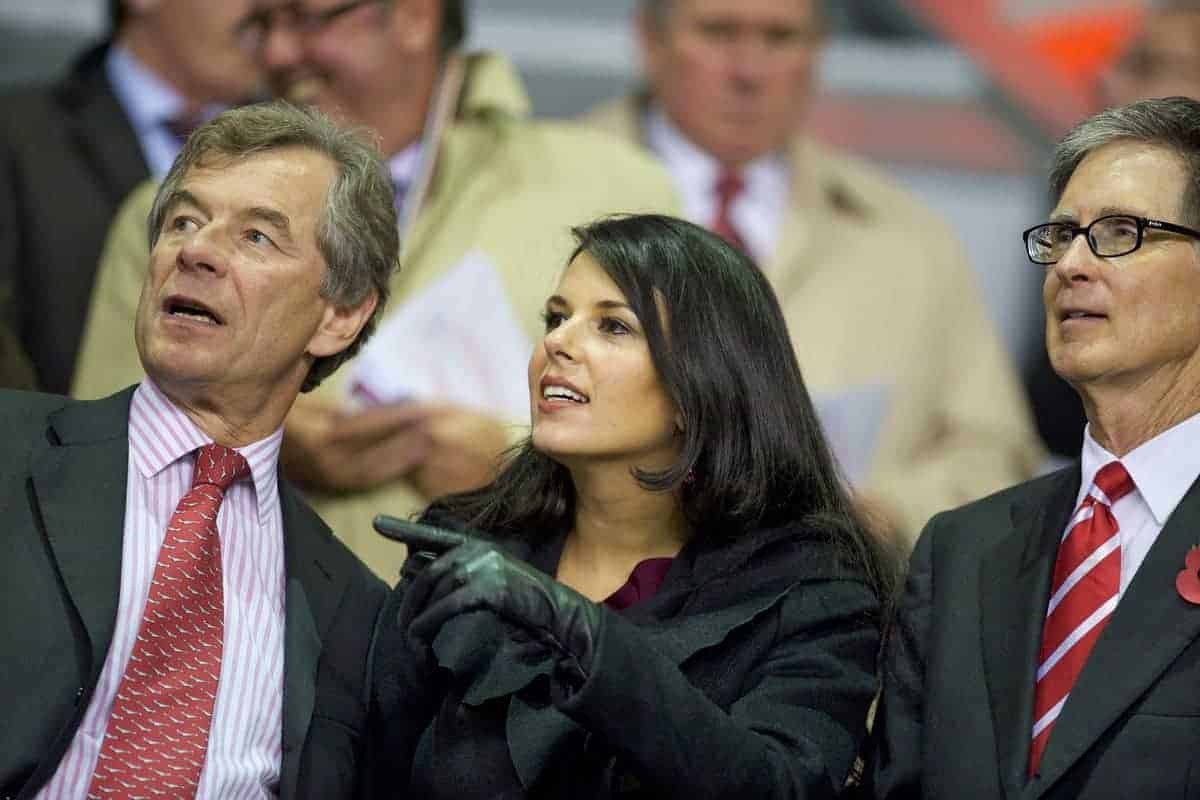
x: 852, y: 419
x: 456, y: 340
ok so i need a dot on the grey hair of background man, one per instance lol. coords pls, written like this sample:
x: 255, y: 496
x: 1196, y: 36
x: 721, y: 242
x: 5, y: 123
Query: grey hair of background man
x: 357, y: 236
x: 1172, y: 123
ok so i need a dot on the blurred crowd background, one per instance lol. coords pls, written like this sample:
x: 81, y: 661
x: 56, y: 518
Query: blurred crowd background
x: 959, y: 101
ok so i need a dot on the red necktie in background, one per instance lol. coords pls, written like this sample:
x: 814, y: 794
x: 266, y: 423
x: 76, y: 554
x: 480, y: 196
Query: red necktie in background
x: 1083, y: 595
x: 157, y: 733
x: 728, y: 188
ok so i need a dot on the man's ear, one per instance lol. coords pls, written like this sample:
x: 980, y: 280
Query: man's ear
x: 340, y: 326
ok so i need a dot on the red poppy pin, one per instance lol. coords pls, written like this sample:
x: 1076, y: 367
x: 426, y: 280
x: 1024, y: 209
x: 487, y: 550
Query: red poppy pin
x: 1187, y: 582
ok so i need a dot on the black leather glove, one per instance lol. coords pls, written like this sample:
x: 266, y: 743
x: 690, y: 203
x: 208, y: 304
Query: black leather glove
x: 475, y: 575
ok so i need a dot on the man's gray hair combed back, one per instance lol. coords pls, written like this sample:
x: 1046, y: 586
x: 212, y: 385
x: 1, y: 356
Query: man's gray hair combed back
x: 1172, y: 123
x: 358, y: 236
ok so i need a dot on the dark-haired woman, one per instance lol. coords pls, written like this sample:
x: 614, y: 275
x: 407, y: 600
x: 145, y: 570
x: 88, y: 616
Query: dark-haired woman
x: 674, y: 598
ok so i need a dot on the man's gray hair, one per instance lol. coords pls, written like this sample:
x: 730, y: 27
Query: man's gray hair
x: 357, y: 236
x: 1172, y: 123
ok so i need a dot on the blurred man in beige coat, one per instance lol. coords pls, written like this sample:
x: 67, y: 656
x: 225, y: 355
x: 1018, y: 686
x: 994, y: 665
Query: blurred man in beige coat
x: 486, y: 197
x: 919, y: 399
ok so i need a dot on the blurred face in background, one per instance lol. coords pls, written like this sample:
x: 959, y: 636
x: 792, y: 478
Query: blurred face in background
x: 734, y: 75
x: 352, y: 58
x: 1163, y: 61
x: 198, y: 46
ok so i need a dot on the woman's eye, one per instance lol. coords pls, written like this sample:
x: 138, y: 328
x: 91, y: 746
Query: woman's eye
x: 613, y: 325
x: 552, y: 319
x: 182, y: 223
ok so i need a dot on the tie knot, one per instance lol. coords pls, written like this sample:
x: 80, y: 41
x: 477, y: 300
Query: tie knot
x: 729, y: 185
x: 219, y: 466
x: 1113, y: 481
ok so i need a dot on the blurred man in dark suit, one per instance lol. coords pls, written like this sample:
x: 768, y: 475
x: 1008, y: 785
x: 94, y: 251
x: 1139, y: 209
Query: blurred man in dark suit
x: 70, y: 153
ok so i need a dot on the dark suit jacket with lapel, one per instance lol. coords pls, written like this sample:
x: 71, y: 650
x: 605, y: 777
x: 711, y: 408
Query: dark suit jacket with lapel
x: 955, y: 718
x: 62, y: 502
x: 748, y: 674
x: 68, y: 157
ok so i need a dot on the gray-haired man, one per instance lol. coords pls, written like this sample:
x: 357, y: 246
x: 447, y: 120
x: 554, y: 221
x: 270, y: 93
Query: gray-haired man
x: 179, y: 620
x: 1048, y: 642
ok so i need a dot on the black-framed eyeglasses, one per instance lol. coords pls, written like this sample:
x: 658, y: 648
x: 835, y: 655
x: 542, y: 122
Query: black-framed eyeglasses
x: 254, y: 27
x: 1109, y: 236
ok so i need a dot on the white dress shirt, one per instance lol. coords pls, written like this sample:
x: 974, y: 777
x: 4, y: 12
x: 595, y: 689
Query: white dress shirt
x: 758, y: 210
x: 148, y: 102
x: 245, y: 741
x: 1163, y: 469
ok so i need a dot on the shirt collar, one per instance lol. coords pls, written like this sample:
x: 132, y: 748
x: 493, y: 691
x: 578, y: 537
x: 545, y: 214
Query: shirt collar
x: 1163, y: 469
x: 146, y: 98
x: 160, y: 434
x: 403, y: 166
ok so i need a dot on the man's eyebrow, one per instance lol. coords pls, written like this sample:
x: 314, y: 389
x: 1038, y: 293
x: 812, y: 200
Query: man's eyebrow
x: 273, y: 217
x: 1106, y: 211
x: 183, y: 197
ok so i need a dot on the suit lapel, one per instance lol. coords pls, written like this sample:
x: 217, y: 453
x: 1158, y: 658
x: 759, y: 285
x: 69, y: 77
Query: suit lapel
x: 1014, y: 582
x: 313, y: 594
x: 1149, y: 629
x: 99, y: 127
x: 79, y: 486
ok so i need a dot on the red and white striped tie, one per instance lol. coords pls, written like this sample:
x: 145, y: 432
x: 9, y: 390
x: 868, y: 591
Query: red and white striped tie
x: 1083, y: 595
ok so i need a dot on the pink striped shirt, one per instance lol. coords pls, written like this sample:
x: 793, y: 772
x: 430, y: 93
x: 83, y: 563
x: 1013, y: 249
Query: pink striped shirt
x: 245, y: 741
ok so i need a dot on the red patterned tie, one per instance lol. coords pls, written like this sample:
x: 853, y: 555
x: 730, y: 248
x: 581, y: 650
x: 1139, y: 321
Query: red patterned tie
x: 1083, y: 595
x: 158, y: 730
x: 729, y: 186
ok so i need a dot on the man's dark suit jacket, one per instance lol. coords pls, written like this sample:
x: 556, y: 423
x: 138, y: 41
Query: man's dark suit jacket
x: 62, y: 506
x: 955, y: 717
x: 68, y: 157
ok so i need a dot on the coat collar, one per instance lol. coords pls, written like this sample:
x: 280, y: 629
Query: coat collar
x: 89, y: 448
x: 314, y: 591
x: 824, y: 187
x: 1150, y: 628
x: 1013, y: 584
x: 99, y: 127
x: 472, y: 88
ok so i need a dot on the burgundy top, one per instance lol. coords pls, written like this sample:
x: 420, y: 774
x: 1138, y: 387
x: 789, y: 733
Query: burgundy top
x: 643, y: 582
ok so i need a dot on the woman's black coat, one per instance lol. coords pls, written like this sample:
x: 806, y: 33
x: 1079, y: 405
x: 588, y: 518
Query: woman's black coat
x: 748, y: 675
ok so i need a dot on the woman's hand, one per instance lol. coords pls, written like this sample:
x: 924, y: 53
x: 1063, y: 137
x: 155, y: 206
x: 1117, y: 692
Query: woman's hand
x: 475, y: 575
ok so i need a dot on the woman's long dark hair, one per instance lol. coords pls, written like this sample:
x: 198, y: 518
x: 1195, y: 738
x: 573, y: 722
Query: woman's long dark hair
x: 753, y: 455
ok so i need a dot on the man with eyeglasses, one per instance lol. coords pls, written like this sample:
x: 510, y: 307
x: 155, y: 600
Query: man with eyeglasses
x: 1048, y: 641
x: 919, y: 399
x: 71, y: 152
x: 486, y: 197
x: 1161, y: 59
